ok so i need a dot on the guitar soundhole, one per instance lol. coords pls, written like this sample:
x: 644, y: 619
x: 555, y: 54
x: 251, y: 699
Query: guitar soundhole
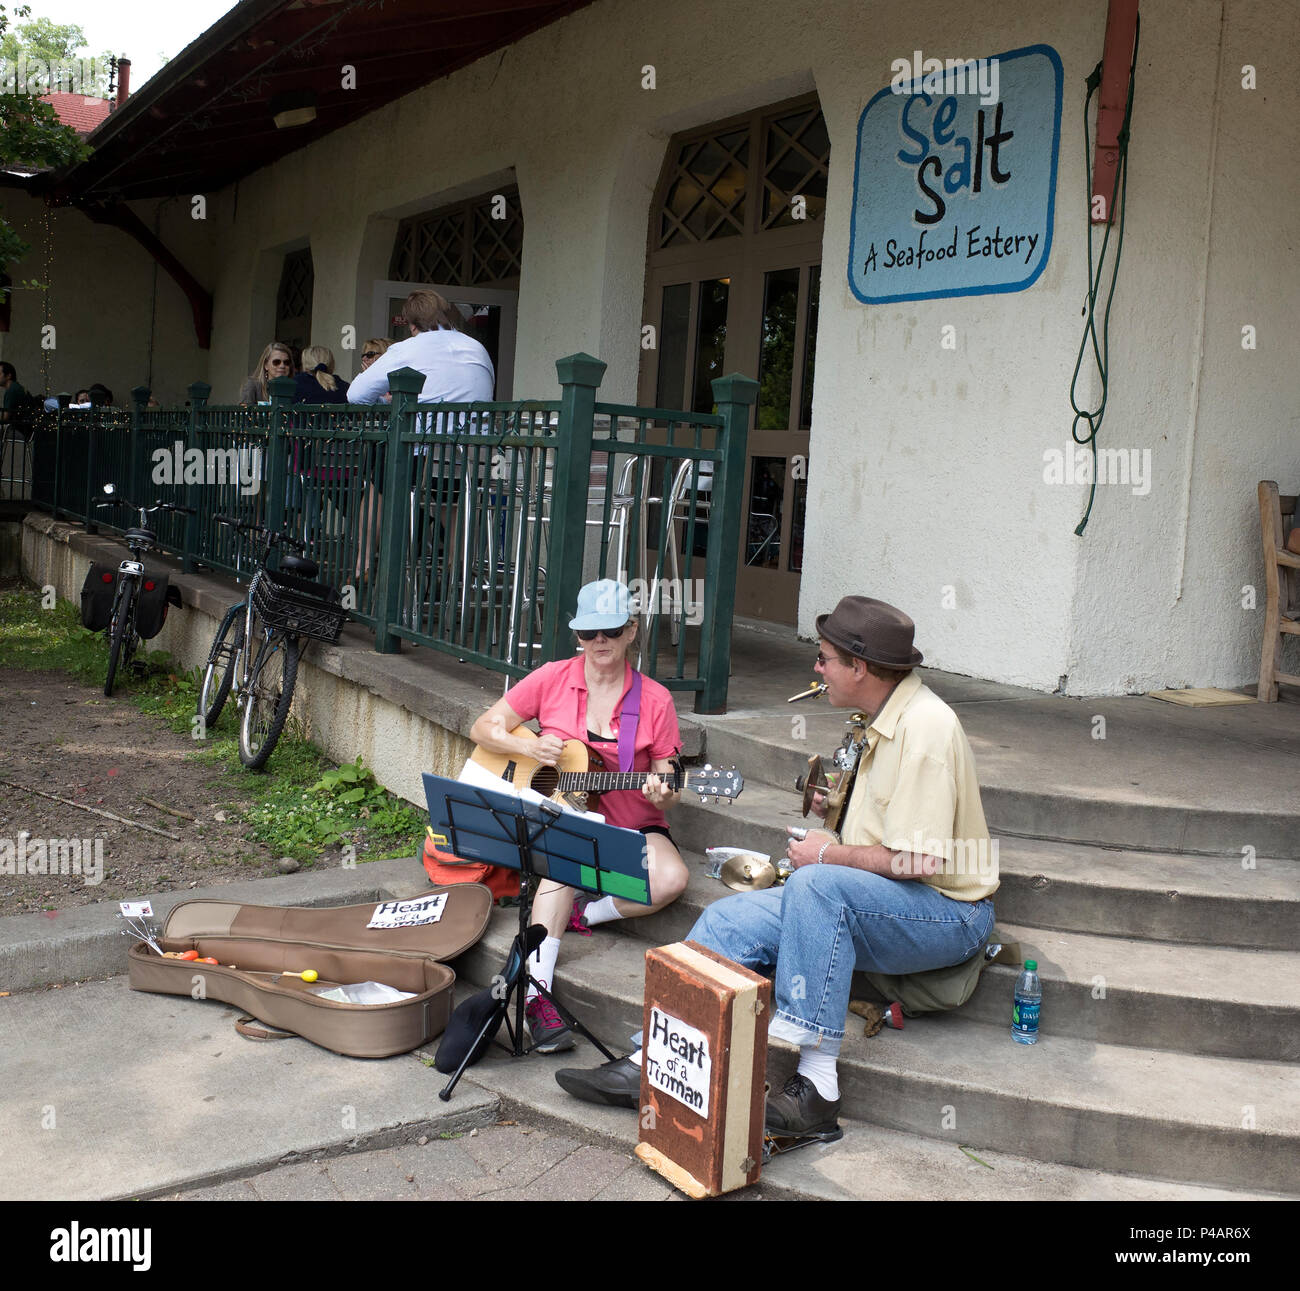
x: 546, y: 780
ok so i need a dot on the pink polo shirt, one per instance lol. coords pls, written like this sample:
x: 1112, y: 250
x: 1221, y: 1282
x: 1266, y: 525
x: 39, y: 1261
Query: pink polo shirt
x: 556, y: 695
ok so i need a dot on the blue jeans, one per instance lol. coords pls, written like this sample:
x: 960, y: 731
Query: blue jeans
x: 829, y: 920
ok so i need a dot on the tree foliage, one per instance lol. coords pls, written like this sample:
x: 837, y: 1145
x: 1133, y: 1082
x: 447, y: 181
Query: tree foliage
x: 41, y: 38
x: 31, y: 135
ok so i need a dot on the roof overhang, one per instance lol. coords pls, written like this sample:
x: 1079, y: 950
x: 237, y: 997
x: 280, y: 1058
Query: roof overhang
x: 205, y: 120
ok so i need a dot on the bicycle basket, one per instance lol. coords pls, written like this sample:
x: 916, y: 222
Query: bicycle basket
x: 297, y: 605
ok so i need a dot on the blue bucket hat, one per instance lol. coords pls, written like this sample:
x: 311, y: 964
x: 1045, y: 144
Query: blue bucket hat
x: 603, y: 604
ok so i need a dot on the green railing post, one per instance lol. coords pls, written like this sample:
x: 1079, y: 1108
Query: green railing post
x: 91, y: 526
x: 405, y: 385
x: 281, y: 390
x: 200, y: 392
x: 580, y: 377
x: 734, y: 395
x: 133, y: 490
x: 58, y: 466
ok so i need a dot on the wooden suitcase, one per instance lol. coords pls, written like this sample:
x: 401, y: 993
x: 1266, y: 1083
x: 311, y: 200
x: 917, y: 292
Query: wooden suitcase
x: 336, y: 943
x: 702, y: 1070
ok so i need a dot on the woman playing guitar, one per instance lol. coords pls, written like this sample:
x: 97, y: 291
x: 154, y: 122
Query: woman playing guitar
x: 591, y: 697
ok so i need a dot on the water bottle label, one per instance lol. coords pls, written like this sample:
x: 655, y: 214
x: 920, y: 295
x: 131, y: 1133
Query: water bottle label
x: 1024, y: 1016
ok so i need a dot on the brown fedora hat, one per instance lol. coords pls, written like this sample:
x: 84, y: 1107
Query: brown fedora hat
x: 871, y: 630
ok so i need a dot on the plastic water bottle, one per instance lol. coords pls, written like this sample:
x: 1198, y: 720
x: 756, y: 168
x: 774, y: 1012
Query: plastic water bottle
x: 1024, y: 1012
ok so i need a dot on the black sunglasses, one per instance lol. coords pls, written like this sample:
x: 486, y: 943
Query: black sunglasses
x: 610, y: 634
x: 369, y: 354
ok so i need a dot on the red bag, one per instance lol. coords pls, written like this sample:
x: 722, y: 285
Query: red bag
x: 444, y: 869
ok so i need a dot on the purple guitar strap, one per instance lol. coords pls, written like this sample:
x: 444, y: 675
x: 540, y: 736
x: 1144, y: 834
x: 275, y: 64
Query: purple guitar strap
x: 627, y: 724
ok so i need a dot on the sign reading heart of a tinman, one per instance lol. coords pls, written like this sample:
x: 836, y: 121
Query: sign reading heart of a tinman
x: 955, y: 179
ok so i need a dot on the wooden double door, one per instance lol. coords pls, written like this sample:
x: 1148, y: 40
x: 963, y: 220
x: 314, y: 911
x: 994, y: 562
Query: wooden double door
x: 732, y: 285
x: 758, y: 315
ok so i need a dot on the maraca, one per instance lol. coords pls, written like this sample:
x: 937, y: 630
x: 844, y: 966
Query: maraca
x: 308, y: 975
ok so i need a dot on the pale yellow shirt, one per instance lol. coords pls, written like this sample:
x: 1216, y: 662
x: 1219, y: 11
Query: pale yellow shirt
x: 916, y: 791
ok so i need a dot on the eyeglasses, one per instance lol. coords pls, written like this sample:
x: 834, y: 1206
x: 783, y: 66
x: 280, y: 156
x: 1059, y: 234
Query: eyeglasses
x: 279, y: 363
x: 369, y: 354
x: 823, y: 660
x: 610, y: 634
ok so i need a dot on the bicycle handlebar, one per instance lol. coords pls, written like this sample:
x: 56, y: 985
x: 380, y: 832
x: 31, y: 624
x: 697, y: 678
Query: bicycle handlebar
x: 157, y: 506
x: 273, y: 535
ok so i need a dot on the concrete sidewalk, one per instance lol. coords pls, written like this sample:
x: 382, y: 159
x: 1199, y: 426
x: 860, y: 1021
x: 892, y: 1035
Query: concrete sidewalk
x: 134, y: 1094
x: 507, y: 1161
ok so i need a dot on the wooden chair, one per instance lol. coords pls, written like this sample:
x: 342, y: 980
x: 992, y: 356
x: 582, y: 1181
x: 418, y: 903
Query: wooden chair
x: 1277, y: 515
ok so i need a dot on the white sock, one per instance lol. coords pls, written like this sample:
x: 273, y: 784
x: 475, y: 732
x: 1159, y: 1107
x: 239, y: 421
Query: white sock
x: 541, y: 964
x: 601, y: 911
x: 817, y: 1063
x: 635, y: 1058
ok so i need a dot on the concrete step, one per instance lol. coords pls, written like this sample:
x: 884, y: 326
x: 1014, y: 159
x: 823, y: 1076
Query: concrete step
x: 869, y: 1163
x: 1069, y: 886
x: 1184, y: 1117
x: 1118, y: 990
x: 1158, y: 782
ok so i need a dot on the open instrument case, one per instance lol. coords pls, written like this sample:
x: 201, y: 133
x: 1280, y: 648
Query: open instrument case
x: 262, y: 942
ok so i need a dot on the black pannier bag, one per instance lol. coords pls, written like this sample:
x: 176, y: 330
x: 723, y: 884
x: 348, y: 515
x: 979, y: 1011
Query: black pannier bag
x: 156, y: 594
x: 97, y: 597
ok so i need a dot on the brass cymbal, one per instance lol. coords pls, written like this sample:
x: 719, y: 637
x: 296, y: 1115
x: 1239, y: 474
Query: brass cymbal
x: 748, y: 872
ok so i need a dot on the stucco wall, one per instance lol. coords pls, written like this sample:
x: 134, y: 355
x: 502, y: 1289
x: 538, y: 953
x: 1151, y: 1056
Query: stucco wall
x: 103, y: 303
x: 1212, y: 250
x: 926, y: 483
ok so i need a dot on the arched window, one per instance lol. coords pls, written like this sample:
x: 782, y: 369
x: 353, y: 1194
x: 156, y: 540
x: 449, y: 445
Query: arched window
x: 472, y: 252
x: 293, y: 300
x: 478, y: 243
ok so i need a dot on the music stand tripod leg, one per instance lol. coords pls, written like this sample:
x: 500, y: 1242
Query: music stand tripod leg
x: 493, y: 1020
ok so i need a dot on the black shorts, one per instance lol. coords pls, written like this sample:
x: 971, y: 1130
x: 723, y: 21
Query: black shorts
x: 659, y: 829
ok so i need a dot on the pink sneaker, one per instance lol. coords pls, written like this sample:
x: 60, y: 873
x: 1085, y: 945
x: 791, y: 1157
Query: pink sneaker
x: 546, y: 1026
x: 578, y: 918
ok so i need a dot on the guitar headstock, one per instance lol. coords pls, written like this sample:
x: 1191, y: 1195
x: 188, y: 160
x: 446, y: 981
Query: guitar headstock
x: 715, y: 784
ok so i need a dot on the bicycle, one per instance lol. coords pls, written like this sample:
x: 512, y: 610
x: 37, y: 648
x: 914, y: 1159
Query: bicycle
x: 123, y: 631
x: 258, y: 643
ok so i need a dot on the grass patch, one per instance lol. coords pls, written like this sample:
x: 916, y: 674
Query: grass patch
x: 36, y: 639
x: 299, y: 806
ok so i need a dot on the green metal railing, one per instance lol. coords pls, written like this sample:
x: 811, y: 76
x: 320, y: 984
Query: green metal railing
x: 467, y: 528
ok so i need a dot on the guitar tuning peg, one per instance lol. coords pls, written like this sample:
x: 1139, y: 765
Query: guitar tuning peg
x: 708, y: 766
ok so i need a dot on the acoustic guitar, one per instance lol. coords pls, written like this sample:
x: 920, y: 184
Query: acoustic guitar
x: 581, y: 774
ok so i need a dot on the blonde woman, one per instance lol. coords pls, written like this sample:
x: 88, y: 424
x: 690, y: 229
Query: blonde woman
x: 276, y: 361
x: 375, y: 348
x: 316, y: 383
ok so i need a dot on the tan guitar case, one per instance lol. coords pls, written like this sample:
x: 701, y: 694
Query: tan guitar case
x: 263, y: 941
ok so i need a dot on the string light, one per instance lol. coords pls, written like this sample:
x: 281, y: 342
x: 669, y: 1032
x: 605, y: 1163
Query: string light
x: 47, y: 223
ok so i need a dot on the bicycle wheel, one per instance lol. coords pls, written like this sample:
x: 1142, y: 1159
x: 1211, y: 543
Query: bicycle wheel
x: 120, y: 632
x: 221, y: 669
x: 269, y: 693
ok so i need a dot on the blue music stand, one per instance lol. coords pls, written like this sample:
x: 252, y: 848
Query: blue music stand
x: 541, y: 841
